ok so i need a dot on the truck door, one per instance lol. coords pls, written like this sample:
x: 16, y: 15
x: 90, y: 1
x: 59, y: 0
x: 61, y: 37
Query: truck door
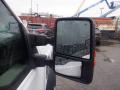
x: 21, y: 66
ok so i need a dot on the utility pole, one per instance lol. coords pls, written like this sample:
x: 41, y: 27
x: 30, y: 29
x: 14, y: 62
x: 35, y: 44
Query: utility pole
x: 37, y: 6
x: 101, y: 10
x: 31, y: 9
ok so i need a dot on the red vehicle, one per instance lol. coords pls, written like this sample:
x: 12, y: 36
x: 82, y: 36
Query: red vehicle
x: 40, y: 28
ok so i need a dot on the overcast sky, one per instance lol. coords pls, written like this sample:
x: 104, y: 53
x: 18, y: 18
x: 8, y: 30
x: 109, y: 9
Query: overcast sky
x: 59, y: 7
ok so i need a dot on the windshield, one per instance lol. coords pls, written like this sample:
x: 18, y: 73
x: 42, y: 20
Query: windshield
x: 46, y: 27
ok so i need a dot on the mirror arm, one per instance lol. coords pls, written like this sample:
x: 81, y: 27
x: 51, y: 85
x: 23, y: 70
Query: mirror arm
x: 41, y: 60
x: 50, y: 40
x: 39, y: 40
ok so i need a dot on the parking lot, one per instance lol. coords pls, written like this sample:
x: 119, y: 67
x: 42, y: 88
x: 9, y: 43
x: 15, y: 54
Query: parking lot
x: 106, y: 73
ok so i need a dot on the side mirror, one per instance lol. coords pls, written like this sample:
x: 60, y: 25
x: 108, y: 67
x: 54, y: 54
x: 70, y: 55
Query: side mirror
x: 74, y: 48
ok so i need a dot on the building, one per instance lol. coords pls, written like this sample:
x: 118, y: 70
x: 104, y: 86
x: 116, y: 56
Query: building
x: 49, y: 20
x: 106, y: 24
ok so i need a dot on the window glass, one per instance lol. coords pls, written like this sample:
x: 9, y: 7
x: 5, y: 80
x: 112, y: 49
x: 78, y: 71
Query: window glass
x: 34, y: 26
x: 12, y: 47
x: 73, y: 38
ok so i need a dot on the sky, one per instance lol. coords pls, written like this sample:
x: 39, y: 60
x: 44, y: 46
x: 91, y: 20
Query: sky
x: 60, y: 7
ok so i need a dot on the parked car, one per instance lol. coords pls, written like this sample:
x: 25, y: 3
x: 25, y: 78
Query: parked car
x: 98, y: 36
x: 38, y: 28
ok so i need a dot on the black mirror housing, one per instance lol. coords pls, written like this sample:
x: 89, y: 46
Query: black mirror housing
x: 75, y: 42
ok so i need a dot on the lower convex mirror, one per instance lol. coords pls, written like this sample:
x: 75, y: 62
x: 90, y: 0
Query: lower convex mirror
x: 74, y: 46
x: 68, y: 67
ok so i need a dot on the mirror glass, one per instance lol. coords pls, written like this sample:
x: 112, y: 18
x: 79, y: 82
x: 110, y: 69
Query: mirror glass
x: 73, y: 38
x: 72, y: 41
x: 68, y: 67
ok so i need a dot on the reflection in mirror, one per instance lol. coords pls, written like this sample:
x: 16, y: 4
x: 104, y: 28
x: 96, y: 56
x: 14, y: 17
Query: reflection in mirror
x: 68, y: 67
x: 73, y: 38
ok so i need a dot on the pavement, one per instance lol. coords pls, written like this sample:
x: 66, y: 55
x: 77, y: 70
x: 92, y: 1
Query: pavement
x: 106, y: 73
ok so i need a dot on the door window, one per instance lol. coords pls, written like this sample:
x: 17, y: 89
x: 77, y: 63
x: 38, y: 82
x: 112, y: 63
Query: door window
x: 12, y: 47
